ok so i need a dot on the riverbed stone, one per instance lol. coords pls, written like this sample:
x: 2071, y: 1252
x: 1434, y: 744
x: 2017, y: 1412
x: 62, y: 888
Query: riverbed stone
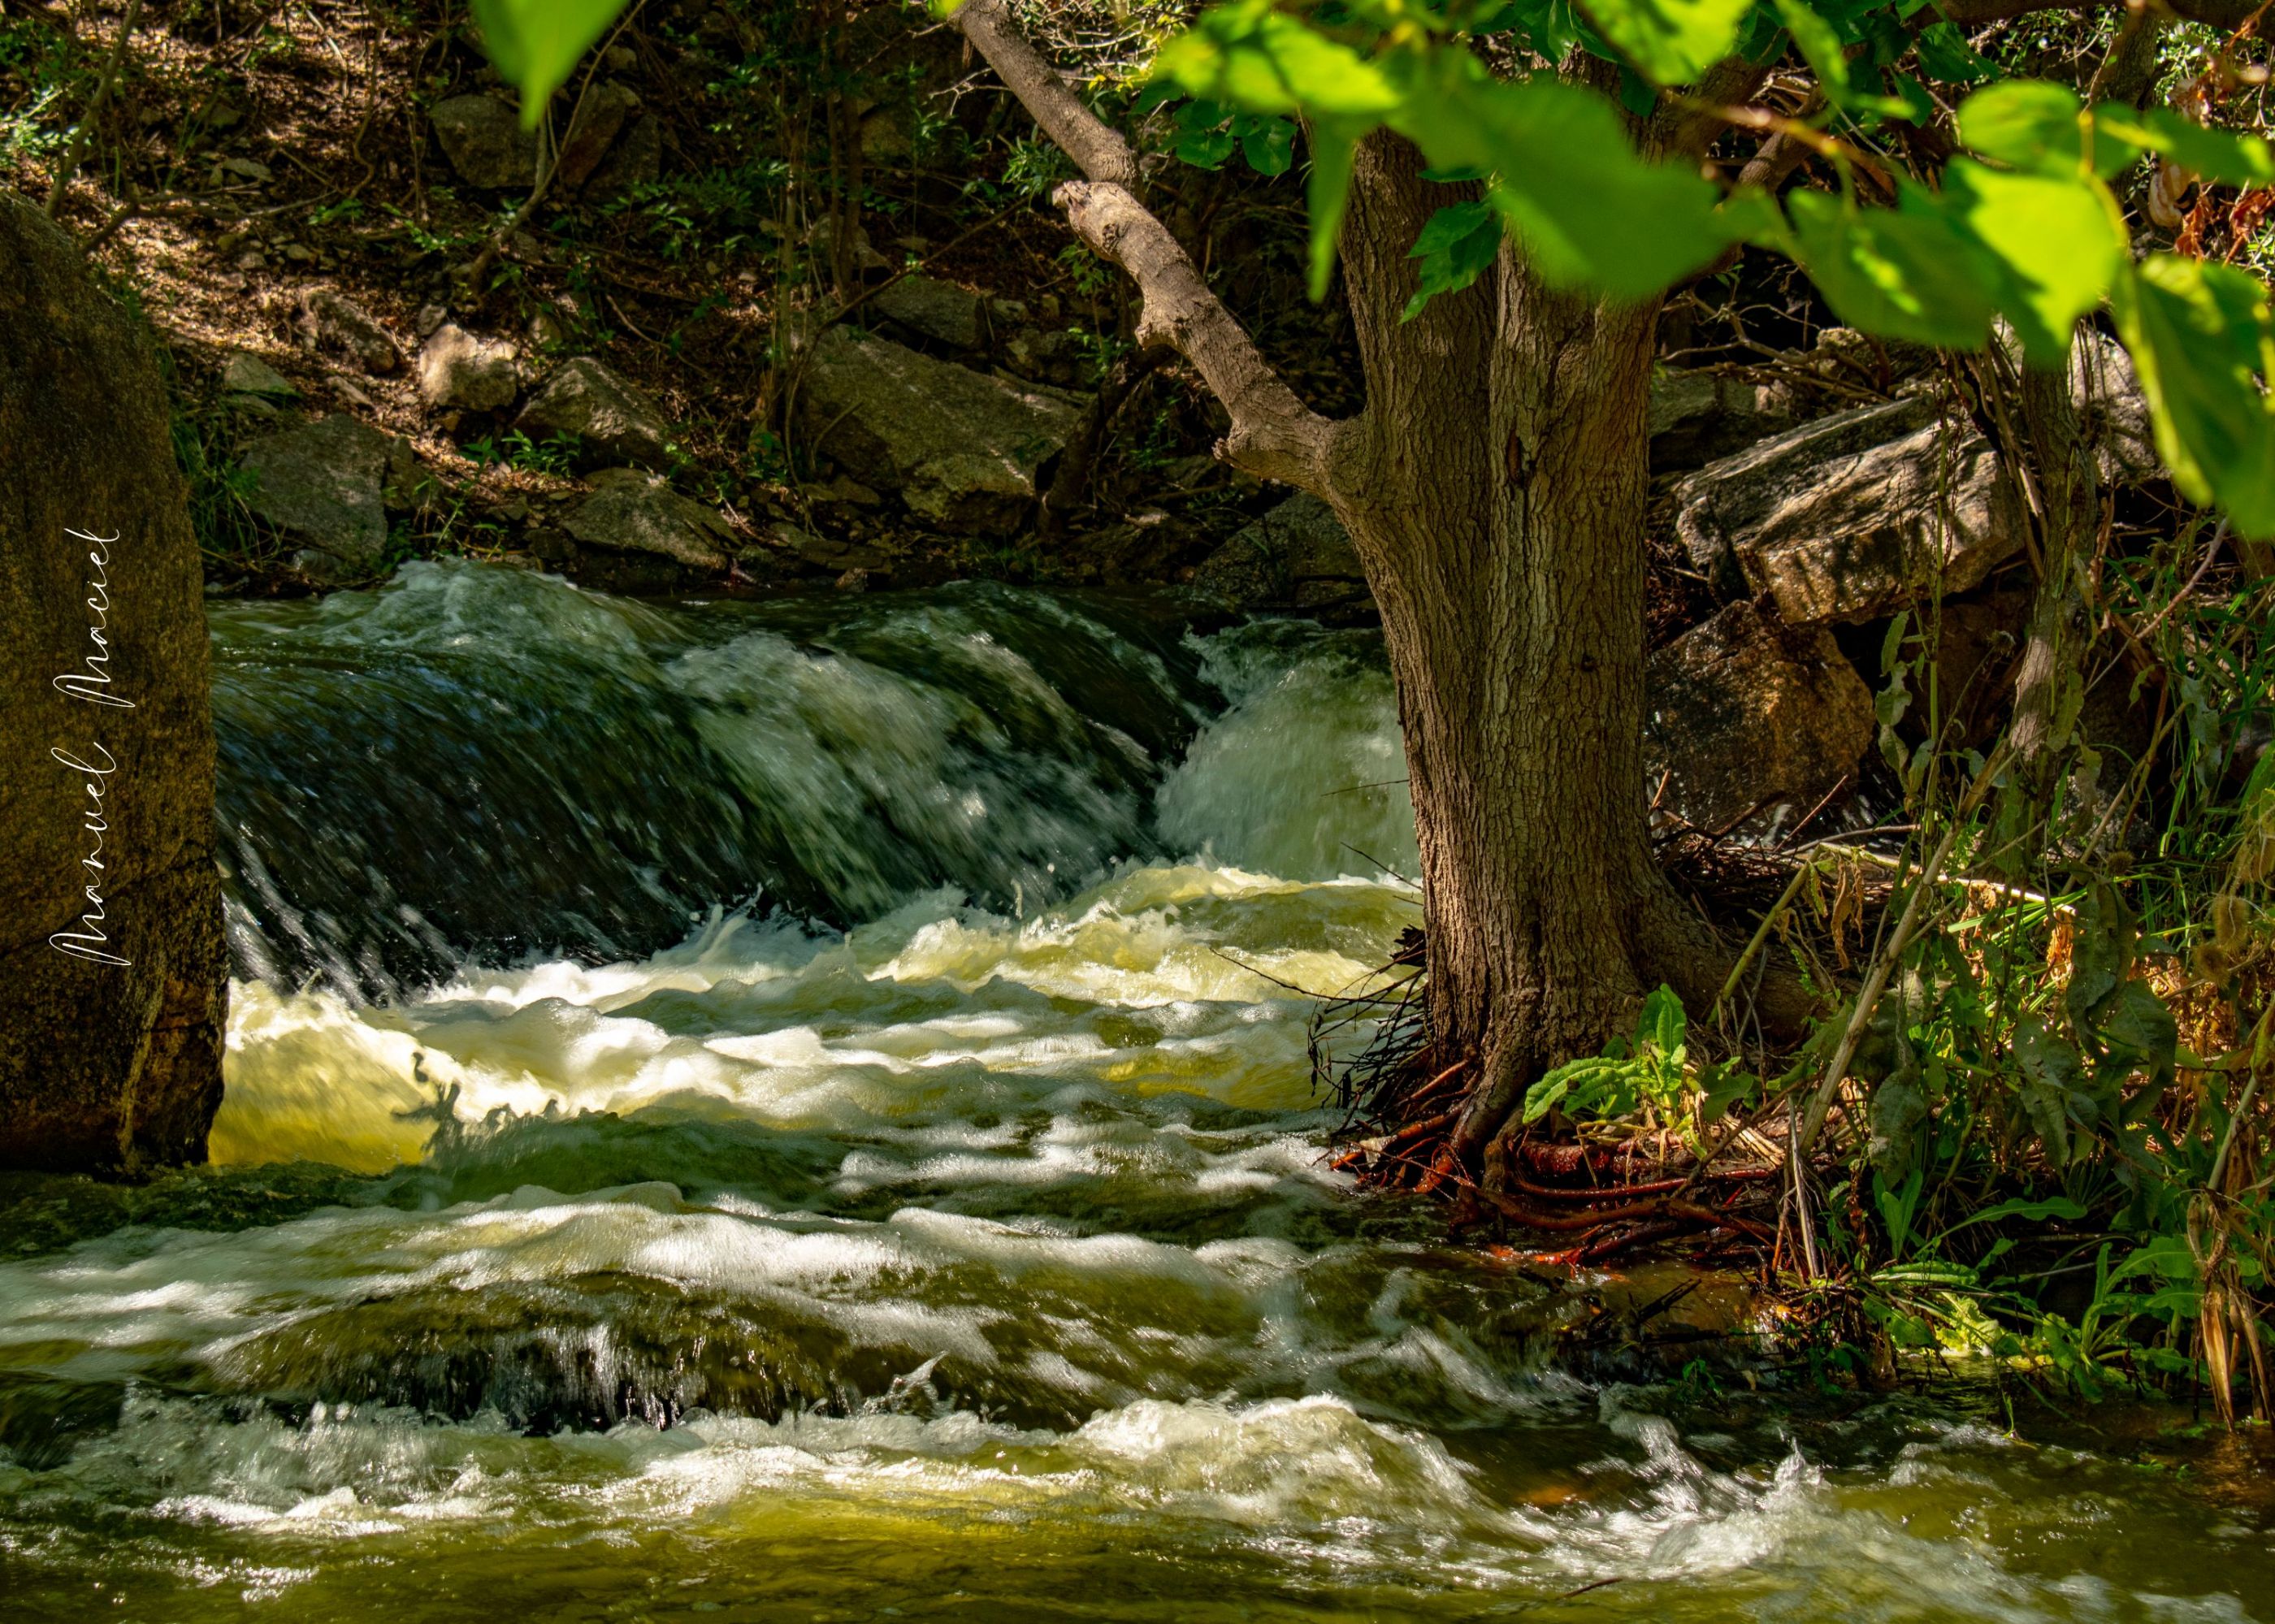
x: 1746, y: 715
x: 460, y: 372
x: 483, y: 139
x: 1296, y: 556
x: 962, y: 449
x: 612, y: 422
x: 327, y: 484
x: 106, y: 1068
x: 632, y: 512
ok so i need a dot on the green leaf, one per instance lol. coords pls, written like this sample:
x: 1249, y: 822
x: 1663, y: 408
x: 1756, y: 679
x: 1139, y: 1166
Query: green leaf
x: 2026, y: 122
x: 1897, y: 1110
x: 536, y: 42
x: 1947, y: 58
x: 2136, y: 1031
x: 1260, y: 59
x: 1586, y: 207
x: 2052, y: 1084
x: 1326, y: 192
x: 2037, y: 1212
x: 2200, y: 339
x: 1670, y: 41
x: 1544, y: 1096
x: 1269, y: 145
x: 2055, y: 245
x: 1456, y: 246
x: 2219, y: 156
x: 1908, y: 272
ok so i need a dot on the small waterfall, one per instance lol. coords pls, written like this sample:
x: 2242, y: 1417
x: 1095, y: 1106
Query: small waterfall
x: 474, y: 762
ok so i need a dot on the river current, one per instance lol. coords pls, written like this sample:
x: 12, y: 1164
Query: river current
x: 800, y: 1111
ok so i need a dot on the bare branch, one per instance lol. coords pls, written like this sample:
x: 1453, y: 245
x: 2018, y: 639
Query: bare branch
x: 1274, y: 436
x: 1097, y: 150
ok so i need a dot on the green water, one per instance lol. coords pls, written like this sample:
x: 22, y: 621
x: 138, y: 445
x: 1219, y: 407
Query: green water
x: 979, y: 1260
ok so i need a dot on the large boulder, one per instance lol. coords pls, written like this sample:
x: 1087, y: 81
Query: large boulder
x: 1854, y: 515
x: 484, y: 140
x: 632, y: 512
x: 612, y: 422
x: 1696, y: 416
x: 111, y: 1012
x: 1746, y: 715
x: 328, y: 485
x: 1297, y: 557
x: 460, y: 372
x: 961, y: 448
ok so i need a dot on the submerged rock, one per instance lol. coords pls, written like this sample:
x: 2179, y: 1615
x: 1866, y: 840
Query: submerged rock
x: 611, y: 421
x: 1745, y: 714
x: 327, y: 484
x: 108, y: 1064
x: 962, y: 449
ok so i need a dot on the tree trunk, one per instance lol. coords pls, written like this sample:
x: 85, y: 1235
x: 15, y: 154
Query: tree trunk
x: 1495, y: 490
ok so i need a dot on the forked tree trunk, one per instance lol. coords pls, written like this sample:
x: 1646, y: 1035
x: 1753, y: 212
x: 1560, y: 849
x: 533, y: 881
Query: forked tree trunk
x: 1494, y: 488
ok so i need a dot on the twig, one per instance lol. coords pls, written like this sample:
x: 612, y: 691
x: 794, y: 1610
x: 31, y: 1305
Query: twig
x: 74, y: 154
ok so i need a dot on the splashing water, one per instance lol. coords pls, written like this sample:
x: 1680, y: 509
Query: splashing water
x: 836, y: 1142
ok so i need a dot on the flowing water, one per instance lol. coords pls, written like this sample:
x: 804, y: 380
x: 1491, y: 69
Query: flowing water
x: 801, y: 1111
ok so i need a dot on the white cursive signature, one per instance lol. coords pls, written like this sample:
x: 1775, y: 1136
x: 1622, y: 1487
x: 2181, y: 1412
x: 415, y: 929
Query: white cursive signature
x: 85, y: 942
x: 93, y: 683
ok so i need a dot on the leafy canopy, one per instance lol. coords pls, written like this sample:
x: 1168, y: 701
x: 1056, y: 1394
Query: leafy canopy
x: 2023, y: 224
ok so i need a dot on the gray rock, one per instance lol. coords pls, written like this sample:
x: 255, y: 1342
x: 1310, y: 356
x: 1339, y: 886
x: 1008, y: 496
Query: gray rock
x: 633, y: 512
x: 830, y: 555
x: 1699, y: 416
x: 327, y: 484
x: 483, y: 139
x: 936, y: 310
x: 1297, y: 557
x: 1848, y: 517
x: 632, y: 161
x: 248, y: 374
x: 2114, y: 410
x: 106, y: 1067
x: 612, y: 422
x: 602, y: 116
x: 1932, y: 513
x: 961, y: 448
x: 338, y: 323
x: 459, y: 371
x: 1745, y: 714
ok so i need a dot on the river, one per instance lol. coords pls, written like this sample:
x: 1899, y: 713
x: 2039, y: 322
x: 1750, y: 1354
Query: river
x: 800, y: 1111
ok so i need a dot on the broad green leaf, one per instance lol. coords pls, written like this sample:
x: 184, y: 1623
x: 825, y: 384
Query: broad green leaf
x: 2036, y: 1212
x: 2054, y: 242
x: 2216, y: 155
x: 1266, y: 62
x: 1662, y: 1021
x: 536, y: 42
x: 1456, y: 246
x: 2028, y: 124
x: 1268, y: 144
x: 2200, y: 339
x: 1947, y: 58
x: 1905, y: 272
x: 1586, y: 207
x: 1671, y: 41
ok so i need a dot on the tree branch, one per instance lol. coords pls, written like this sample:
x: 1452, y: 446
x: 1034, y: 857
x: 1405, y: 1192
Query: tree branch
x: 1097, y: 150
x: 1274, y: 436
